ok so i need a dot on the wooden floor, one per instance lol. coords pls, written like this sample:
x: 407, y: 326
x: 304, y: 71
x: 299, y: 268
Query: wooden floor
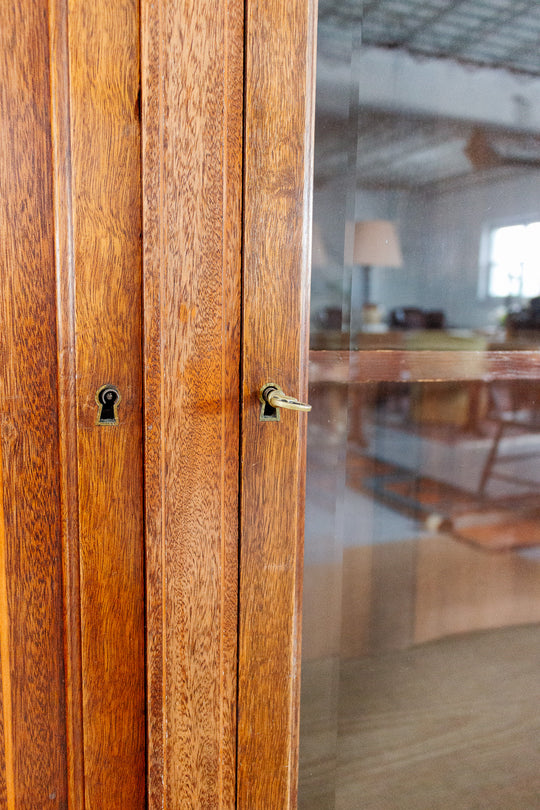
x: 446, y: 724
x: 392, y: 595
x: 427, y: 696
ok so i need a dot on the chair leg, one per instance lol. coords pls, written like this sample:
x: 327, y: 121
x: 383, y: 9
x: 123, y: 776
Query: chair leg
x: 490, y: 461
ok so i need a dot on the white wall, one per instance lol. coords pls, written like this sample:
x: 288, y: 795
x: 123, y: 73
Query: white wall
x: 442, y: 234
x: 395, y: 80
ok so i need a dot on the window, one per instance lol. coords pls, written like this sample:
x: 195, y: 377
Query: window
x: 514, y: 261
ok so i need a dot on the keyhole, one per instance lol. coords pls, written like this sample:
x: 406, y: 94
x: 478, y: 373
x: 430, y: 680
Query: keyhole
x: 107, y: 399
x: 268, y: 413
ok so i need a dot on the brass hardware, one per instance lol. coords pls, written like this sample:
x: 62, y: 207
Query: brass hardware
x: 277, y: 399
x: 273, y: 398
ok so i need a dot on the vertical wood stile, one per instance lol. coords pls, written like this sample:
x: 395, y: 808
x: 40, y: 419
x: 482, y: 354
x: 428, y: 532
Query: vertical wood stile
x: 280, y: 39
x: 7, y: 774
x: 67, y: 391
x: 192, y: 129
x: 31, y: 604
x: 104, y: 84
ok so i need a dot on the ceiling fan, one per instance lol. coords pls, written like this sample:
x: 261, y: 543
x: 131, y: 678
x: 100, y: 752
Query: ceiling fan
x: 486, y: 149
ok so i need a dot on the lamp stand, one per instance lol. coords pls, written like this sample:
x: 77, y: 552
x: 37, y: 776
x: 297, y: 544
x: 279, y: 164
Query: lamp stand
x: 371, y: 314
x: 366, y: 271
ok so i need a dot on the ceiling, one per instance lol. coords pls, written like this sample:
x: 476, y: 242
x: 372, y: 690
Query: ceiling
x: 400, y: 149
x: 498, y: 33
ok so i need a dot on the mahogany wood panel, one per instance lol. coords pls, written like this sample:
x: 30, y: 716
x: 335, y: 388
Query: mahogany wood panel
x: 192, y: 66
x: 33, y: 749
x: 7, y: 792
x: 426, y: 366
x: 67, y: 403
x: 280, y: 38
x: 104, y: 85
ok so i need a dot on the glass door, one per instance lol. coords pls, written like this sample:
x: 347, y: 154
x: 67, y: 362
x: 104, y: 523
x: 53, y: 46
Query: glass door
x: 421, y: 598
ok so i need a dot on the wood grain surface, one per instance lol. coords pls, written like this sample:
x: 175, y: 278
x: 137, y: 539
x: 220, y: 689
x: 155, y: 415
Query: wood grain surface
x: 67, y: 403
x: 7, y: 786
x: 106, y: 192
x: 280, y: 38
x: 33, y: 762
x: 192, y: 128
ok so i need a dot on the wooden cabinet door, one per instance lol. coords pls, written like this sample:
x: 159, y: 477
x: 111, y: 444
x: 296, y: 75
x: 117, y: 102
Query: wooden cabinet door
x: 416, y: 381
x: 71, y: 559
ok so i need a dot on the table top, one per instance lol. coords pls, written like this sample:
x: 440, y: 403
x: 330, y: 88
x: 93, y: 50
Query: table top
x: 402, y: 365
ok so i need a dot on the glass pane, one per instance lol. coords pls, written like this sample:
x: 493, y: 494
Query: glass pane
x: 421, y: 639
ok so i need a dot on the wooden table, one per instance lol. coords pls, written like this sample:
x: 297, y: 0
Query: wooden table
x: 342, y: 377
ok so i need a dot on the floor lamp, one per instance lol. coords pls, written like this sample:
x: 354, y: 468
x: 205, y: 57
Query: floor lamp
x: 376, y: 244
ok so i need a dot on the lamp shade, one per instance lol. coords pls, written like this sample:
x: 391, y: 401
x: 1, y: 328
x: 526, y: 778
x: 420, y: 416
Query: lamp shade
x: 376, y: 243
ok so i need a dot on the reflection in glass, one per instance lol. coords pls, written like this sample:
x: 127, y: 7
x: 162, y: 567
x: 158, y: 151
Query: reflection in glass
x: 422, y: 557
x: 514, y: 261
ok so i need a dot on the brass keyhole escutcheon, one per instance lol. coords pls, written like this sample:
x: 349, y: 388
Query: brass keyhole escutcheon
x: 108, y: 398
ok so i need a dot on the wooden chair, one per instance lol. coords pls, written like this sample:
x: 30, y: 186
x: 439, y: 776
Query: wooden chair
x: 515, y: 406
